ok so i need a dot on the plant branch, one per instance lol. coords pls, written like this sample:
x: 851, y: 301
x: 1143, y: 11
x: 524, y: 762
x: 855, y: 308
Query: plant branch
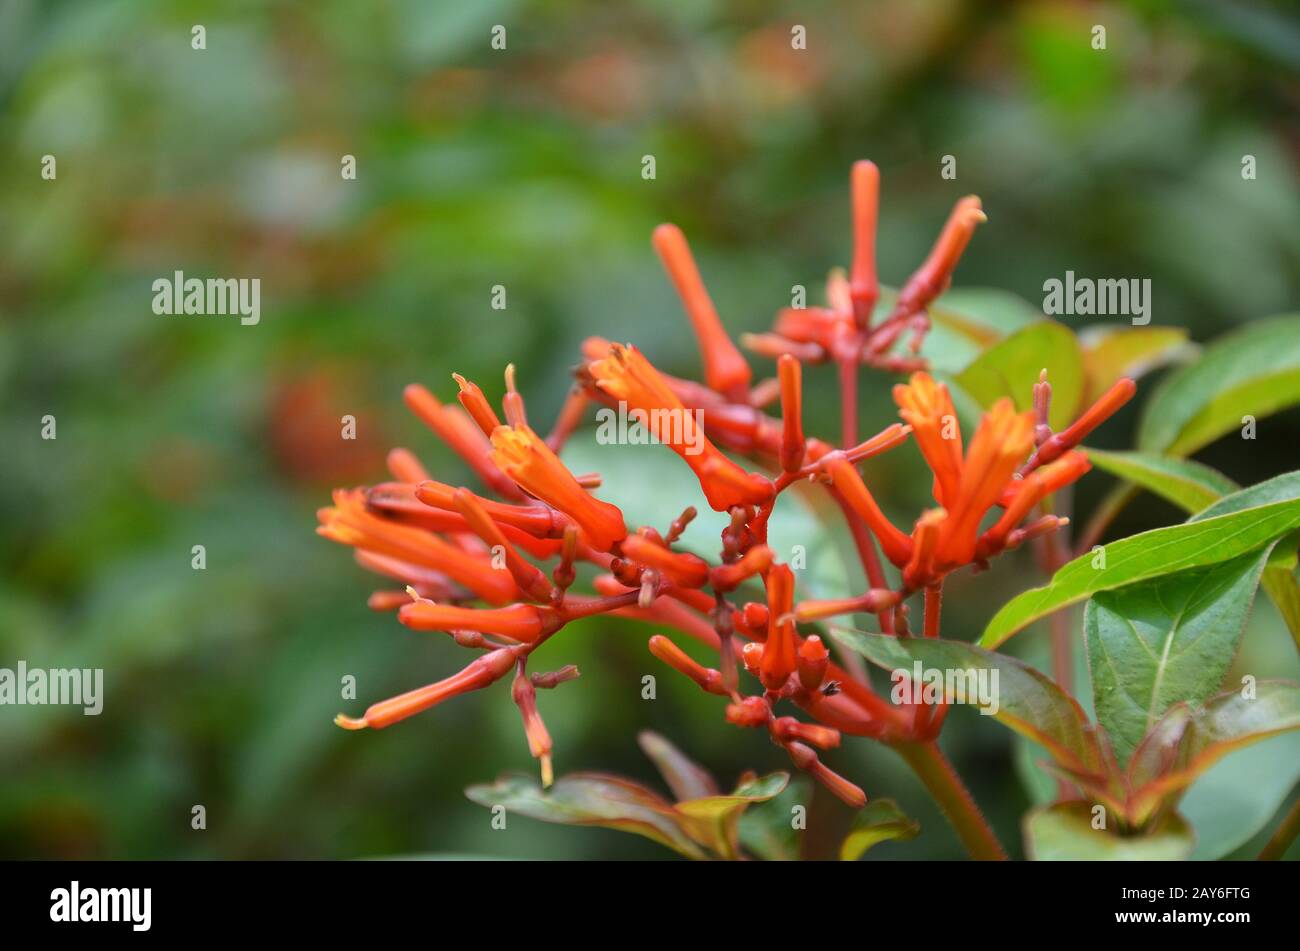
x: 1282, y: 838
x: 934, y: 770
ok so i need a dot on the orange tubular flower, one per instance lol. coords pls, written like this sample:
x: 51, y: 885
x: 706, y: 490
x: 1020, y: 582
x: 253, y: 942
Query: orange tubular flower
x: 524, y: 693
x: 1093, y: 416
x: 401, y: 502
x: 679, y: 567
x: 350, y: 523
x: 896, y: 546
x: 460, y: 433
x: 863, y: 286
x: 707, y: 678
x: 519, y: 622
x: 927, y: 407
x: 725, y: 370
x: 806, y: 759
x: 1033, y: 489
x: 430, y: 584
x: 523, y: 456
x: 625, y: 375
x: 779, y: 659
x: 788, y: 728
x: 932, y: 278
x: 484, y: 670
x: 967, y: 489
x: 405, y: 466
x: 536, y: 520
x: 873, y: 602
x: 754, y: 562
x: 476, y: 404
x: 814, y: 658
x: 1001, y: 442
x: 925, y: 537
x: 792, y: 441
x: 529, y: 578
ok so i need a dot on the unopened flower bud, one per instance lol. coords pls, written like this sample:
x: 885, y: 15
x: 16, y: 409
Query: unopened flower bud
x: 751, y: 712
x: 813, y: 660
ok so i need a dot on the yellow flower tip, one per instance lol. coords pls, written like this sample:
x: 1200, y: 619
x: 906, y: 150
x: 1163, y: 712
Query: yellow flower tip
x: 548, y: 771
x: 348, y: 723
x: 932, y: 517
x: 510, y: 446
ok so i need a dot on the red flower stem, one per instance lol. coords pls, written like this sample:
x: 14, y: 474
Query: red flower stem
x: 866, y: 547
x: 1055, y: 552
x: 943, y: 783
x: 924, y: 723
x: 848, y: 365
x: 933, y: 606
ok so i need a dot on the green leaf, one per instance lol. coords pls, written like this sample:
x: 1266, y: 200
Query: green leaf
x: 969, y: 320
x: 1282, y: 488
x: 713, y: 821
x: 591, y: 799
x: 1279, y: 577
x: 1011, y: 368
x: 767, y: 832
x: 686, y: 778
x: 1026, y: 700
x: 1282, y: 587
x: 1187, y: 484
x: 1113, y: 352
x: 1170, y: 639
x: 1039, y: 786
x: 1237, y: 797
x: 879, y: 821
x: 1064, y: 832
x: 985, y: 313
x: 1188, y: 740
x: 1252, y: 372
x: 1195, y: 488
x: 1151, y: 554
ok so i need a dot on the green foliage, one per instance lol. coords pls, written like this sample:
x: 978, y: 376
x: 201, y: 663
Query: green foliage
x: 701, y: 824
x: 1159, y: 642
x: 1066, y: 832
x: 1185, y: 482
x: 1253, y: 372
x: 879, y: 821
x: 1246, y: 522
x: 1027, y: 700
x: 1010, y: 368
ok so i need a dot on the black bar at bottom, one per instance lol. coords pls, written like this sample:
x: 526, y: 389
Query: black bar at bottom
x: 443, y: 899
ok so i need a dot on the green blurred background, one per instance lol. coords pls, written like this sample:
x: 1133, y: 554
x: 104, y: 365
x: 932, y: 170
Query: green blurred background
x: 523, y: 168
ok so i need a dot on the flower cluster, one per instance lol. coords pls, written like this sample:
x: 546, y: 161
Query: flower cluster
x: 494, y: 569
